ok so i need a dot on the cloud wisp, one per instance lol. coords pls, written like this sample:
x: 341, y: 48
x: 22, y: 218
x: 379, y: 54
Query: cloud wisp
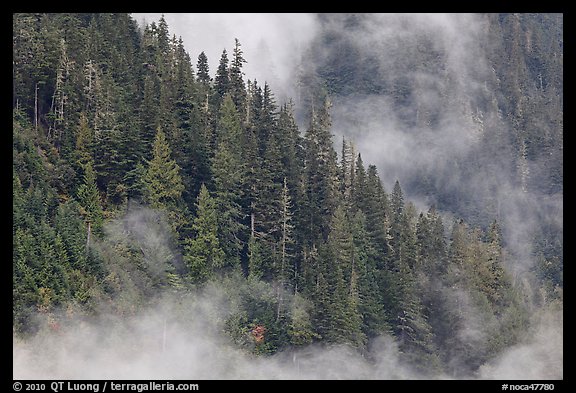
x: 182, y: 335
x: 271, y: 42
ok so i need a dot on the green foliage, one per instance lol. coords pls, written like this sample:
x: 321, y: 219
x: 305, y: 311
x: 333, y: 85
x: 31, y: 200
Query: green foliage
x: 163, y: 185
x: 320, y: 174
x: 229, y: 174
x: 203, y: 254
x: 89, y: 199
x: 237, y: 87
x: 162, y: 179
x: 300, y: 329
x: 301, y: 247
x: 221, y: 80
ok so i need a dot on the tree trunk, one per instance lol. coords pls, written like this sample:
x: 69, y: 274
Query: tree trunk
x: 88, y: 236
x: 36, y: 106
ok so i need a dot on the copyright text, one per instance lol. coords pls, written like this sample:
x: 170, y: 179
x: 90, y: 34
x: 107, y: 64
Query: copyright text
x: 103, y: 386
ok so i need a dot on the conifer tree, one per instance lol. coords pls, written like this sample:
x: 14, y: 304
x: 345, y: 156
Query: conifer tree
x: 300, y: 329
x: 205, y: 121
x: 52, y: 260
x: 228, y: 170
x: 70, y: 226
x: 221, y: 81
x: 376, y: 208
x: 283, y: 251
x: 345, y: 267
x: 431, y: 247
x: 322, y: 297
x: 320, y: 175
x: 61, y: 97
x: 264, y: 182
x: 291, y: 148
x: 89, y: 198
x: 202, y: 70
x: 370, y: 304
x: 287, y: 267
x: 431, y: 274
x: 347, y: 170
x: 237, y: 86
x: 163, y: 185
x: 307, y: 278
x: 24, y: 286
x: 84, y: 143
x: 291, y: 151
x: 358, y: 185
x: 203, y: 253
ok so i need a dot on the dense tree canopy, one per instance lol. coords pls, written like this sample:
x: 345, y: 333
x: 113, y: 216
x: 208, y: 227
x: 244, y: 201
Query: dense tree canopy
x: 109, y: 117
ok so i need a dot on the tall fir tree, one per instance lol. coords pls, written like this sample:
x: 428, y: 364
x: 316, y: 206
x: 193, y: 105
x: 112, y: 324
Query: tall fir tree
x: 229, y: 174
x: 203, y: 70
x: 162, y: 182
x: 203, y: 254
x: 89, y: 198
x: 320, y: 175
x: 237, y: 86
x: 347, y: 171
x: 221, y: 81
x: 347, y: 264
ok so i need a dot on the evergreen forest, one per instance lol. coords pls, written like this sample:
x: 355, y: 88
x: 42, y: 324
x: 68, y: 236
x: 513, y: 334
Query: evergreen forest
x: 140, y: 174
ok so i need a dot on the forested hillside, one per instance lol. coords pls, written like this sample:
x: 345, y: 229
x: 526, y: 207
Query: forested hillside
x: 140, y: 173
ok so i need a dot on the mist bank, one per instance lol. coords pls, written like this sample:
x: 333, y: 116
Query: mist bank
x: 465, y: 110
x: 160, y: 344
x: 149, y: 327
x: 182, y: 338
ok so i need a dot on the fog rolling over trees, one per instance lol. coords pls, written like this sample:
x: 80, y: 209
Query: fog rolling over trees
x: 453, y: 105
x: 326, y: 196
x: 275, y: 41
x: 185, y: 335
